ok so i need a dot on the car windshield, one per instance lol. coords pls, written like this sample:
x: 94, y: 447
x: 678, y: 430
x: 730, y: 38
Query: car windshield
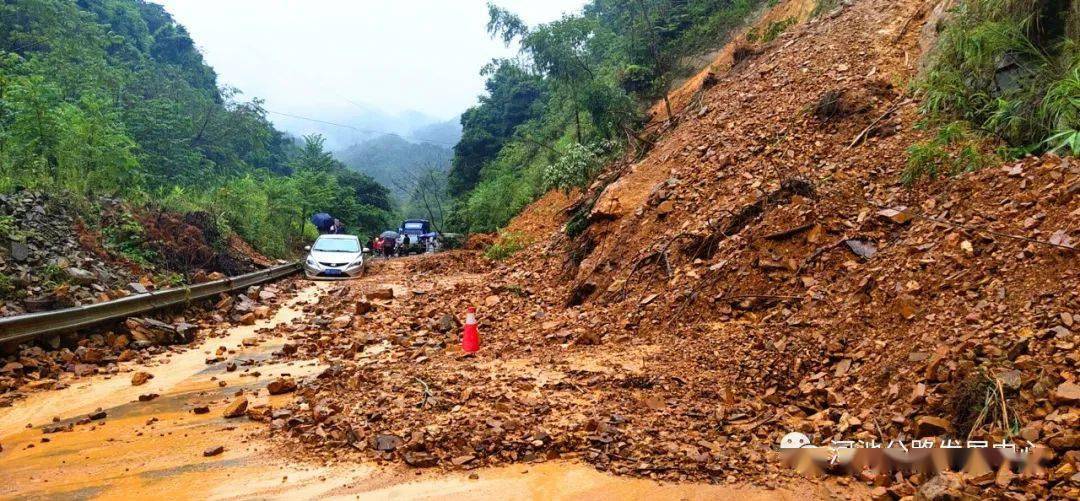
x: 336, y: 245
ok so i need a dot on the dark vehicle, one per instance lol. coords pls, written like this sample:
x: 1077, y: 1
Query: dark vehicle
x: 388, y: 243
x: 416, y: 237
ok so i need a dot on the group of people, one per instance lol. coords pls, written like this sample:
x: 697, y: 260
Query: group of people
x: 326, y: 223
x: 388, y: 245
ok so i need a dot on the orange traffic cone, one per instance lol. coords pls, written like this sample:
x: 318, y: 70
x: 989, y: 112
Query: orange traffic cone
x: 470, y: 341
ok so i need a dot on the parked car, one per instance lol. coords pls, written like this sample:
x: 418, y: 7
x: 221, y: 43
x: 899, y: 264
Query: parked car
x: 335, y: 256
x: 416, y: 237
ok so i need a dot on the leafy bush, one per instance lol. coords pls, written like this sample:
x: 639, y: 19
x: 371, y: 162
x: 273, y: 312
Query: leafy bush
x: 1061, y: 109
x: 575, y: 168
x: 581, y: 80
x: 497, y: 200
x: 508, y: 245
x: 127, y: 238
x: 1012, y: 69
x: 7, y: 285
x: 52, y: 276
x: 112, y: 98
x: 9, y: 230
x: 771, y: 31
x: 824, y: 7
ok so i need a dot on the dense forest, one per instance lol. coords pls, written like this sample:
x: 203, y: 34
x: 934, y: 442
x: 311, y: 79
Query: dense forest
x: 1003, y: 81
x: 395, y: 162
x: 414, y: 172
x: 111, y: 97
x: 574, y: 97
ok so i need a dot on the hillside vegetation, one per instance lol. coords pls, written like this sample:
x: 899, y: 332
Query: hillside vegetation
x: 395, y: 162
x: 111, y: 97
x: 574, y: 98
x: 1006, y: 69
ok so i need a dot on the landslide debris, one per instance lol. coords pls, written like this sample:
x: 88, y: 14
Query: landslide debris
x: 710, y: 316
x: 54, y: 255
x: 56, y: 361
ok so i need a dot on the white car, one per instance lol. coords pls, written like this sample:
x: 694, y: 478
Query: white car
x: 335, y: 256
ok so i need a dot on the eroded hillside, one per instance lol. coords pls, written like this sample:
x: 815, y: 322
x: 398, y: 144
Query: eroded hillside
x: 761, y: 270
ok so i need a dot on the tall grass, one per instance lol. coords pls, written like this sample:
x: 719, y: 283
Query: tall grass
x: 1010, y: 68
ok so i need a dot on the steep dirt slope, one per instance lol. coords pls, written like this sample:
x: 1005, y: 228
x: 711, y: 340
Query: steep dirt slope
x: 742, y: 231
x: 738, y: 283
x: 685, y: 92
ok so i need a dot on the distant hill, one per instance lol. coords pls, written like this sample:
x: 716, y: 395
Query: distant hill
x: 361, y: 122
x: 446, y: 133
x: 395, y: 162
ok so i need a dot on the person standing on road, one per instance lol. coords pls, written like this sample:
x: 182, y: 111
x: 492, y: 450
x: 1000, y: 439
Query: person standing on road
x: 388, y: 247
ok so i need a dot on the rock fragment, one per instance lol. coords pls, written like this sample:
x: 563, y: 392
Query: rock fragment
x: 140, y: 378
x: 236, y: 408
x: 281, y: 386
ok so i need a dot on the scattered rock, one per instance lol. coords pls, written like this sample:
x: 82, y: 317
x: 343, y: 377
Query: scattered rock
x: 899, y: 215
x: 930, y: 426
x: 19, y: 251
x: 140, y: 378
x: 281, y: 385
x: 137, y: 288
x: 1066, y: 393
x: 340, y: 322
x: 861, y: 248
x: 237, y: 408
x: 386, y: 442
x: 463, y: 460
x: 81, y: 276
x: 945, y: 486
x: 420, y: 459
x: 447, y: 323
x: 382, y: 293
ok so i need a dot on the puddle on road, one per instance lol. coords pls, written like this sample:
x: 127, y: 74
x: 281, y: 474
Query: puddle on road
x: 125, y: 449
x: 155, y: 448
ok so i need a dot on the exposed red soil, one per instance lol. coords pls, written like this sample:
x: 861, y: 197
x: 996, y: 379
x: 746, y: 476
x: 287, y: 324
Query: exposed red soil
x: 541, y: 219
x: 190, y: 243
x: 717, y: 301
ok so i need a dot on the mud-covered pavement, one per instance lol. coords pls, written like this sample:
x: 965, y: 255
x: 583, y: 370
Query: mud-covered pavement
x: 159, y: 446
x: 153, y: 446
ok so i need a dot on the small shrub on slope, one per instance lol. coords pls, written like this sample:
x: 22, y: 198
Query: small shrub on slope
x: 1011, y: 68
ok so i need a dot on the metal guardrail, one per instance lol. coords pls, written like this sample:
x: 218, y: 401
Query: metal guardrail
x: 26, y: 327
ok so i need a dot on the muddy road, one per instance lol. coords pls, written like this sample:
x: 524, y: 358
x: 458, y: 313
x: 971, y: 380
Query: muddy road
x: 159, y: 447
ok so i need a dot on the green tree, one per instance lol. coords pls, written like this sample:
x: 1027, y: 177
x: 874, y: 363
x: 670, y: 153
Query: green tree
x: 514, y: 96
x: 93, y: 151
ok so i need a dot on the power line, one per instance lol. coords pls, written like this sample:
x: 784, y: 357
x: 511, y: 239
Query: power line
x: 366, y: 131
x: 259, y: 54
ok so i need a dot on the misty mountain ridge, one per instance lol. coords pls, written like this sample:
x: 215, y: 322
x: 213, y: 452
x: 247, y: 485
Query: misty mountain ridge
x: 398, y: 163
x: 356, y: 123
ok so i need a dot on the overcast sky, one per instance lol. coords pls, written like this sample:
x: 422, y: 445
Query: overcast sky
x: 312, y: 57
